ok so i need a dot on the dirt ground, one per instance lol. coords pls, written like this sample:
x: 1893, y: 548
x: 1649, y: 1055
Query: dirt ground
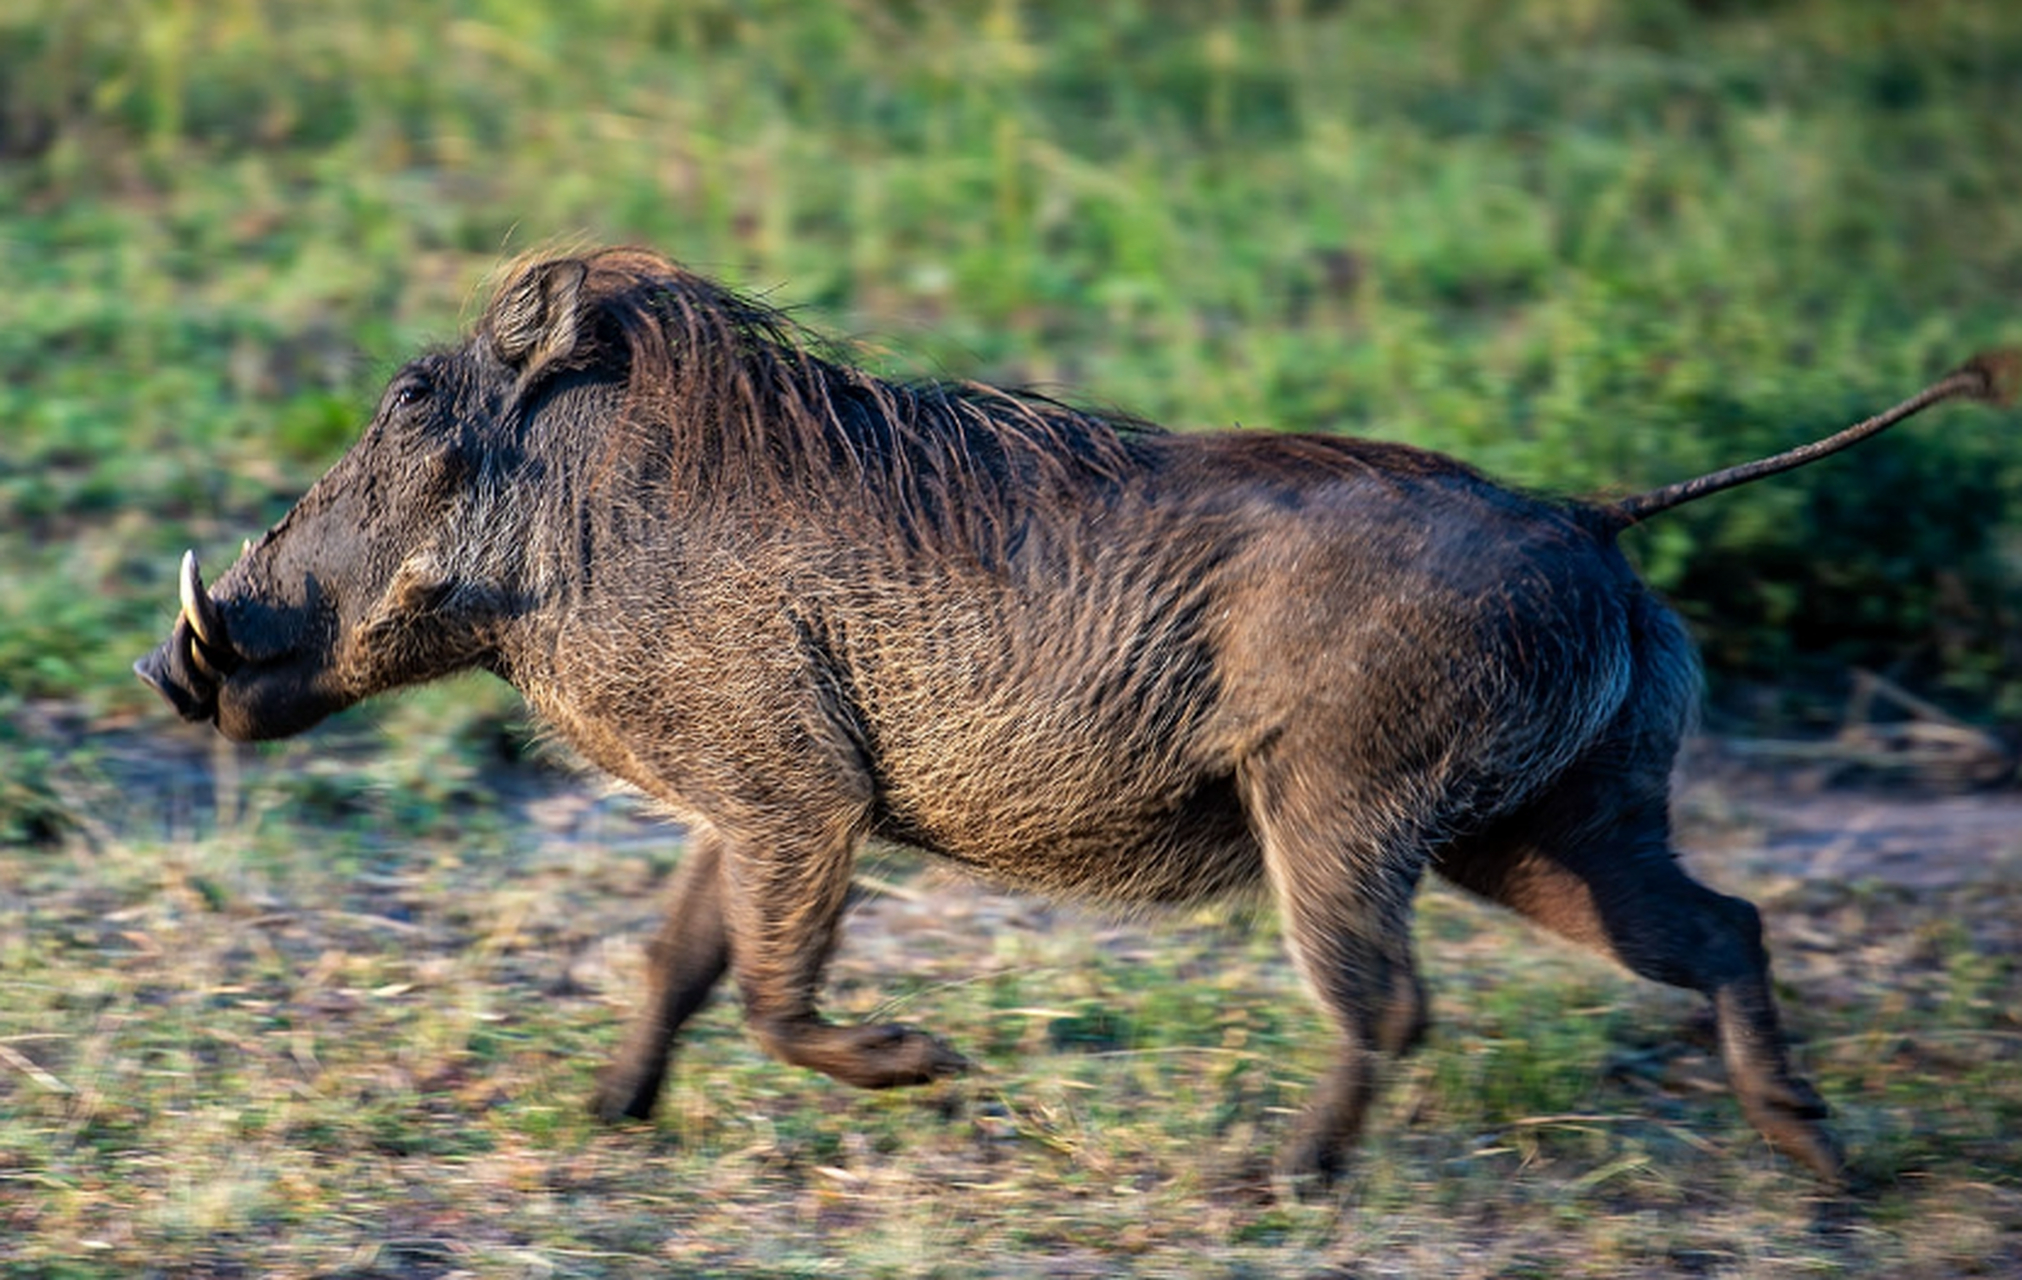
x: 367, y: 1001
x: 1758, y: 818
x: 1772, y: 821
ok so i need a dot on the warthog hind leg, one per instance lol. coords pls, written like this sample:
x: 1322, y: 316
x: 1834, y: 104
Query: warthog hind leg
x: 1344, y: 889
x: 1592, y: 862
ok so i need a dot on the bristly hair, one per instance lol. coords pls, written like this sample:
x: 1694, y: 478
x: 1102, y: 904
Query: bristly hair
x: 734, y: 399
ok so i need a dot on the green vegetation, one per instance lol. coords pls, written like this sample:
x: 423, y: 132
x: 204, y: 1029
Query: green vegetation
x: 322, y: 1008
x: 1589, y: 247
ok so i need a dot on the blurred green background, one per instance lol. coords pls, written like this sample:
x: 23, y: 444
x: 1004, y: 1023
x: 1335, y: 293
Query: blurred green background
x: 1591, y: 247
x: 330, y: 1007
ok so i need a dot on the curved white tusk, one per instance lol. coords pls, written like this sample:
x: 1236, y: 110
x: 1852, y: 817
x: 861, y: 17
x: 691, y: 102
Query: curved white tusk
x: 198, y: 610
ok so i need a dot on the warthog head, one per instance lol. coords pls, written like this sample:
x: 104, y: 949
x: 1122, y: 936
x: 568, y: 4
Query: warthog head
x: 406, y: 561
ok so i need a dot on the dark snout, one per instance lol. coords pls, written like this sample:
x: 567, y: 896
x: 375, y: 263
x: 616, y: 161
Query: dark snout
x: 171, y: 671
x: 189, y: 667
x: 249, y: 676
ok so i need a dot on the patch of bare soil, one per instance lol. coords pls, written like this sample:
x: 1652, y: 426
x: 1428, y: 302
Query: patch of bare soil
x: 1782, y: 821
x: 1761, y: 813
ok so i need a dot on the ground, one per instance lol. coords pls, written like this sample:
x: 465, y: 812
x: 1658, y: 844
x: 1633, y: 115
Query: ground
x: 301, y: 1011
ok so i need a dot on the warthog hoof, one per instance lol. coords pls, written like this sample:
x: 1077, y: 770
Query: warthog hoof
x: 1788, y: 1117
x: 623, y: 1095
x: 881, y: 1056
x: 1310, y: 1169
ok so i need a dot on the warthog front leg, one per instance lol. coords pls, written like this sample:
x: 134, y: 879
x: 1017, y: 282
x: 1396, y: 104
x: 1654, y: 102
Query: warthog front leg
x: 785, y: 900
x: 683, y: 962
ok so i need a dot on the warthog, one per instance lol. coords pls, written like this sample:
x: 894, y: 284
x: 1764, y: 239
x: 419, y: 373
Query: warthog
x: 804, y: 606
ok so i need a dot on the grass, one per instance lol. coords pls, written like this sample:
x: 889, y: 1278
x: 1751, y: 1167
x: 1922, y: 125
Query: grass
x: 1588, y: 247
x: 332, y: 1007
x: 300, y: 1035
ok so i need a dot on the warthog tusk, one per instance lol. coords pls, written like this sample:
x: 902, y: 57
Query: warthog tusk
x: 198, y: 608
x: 203, y: 664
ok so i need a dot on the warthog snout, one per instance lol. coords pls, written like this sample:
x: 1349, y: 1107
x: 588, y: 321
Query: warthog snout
x: 187, y: 668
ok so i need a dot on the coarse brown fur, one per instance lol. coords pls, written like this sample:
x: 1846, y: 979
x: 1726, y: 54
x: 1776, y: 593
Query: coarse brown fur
x: 804, y: 606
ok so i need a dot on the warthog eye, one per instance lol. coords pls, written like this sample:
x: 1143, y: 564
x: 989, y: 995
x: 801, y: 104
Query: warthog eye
x: 411, y: 392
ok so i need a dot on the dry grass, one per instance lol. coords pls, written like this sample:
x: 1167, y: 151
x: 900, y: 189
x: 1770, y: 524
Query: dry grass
x: 325, y: 1029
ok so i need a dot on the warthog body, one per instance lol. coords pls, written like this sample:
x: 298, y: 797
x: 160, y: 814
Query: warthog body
x: 803, y: 607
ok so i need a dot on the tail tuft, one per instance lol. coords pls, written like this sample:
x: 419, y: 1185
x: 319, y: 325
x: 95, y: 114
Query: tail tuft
x: 2000, y: 374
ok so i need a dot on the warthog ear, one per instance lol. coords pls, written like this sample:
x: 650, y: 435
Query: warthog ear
x: 534, y: 322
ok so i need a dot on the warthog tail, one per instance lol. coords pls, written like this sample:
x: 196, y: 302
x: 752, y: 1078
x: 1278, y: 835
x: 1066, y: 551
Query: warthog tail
x: 1991, y: 376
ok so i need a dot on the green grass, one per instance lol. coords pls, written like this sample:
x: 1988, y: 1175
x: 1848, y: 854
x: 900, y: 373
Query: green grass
x: 1589, y: 247
x: 331, y: 1007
